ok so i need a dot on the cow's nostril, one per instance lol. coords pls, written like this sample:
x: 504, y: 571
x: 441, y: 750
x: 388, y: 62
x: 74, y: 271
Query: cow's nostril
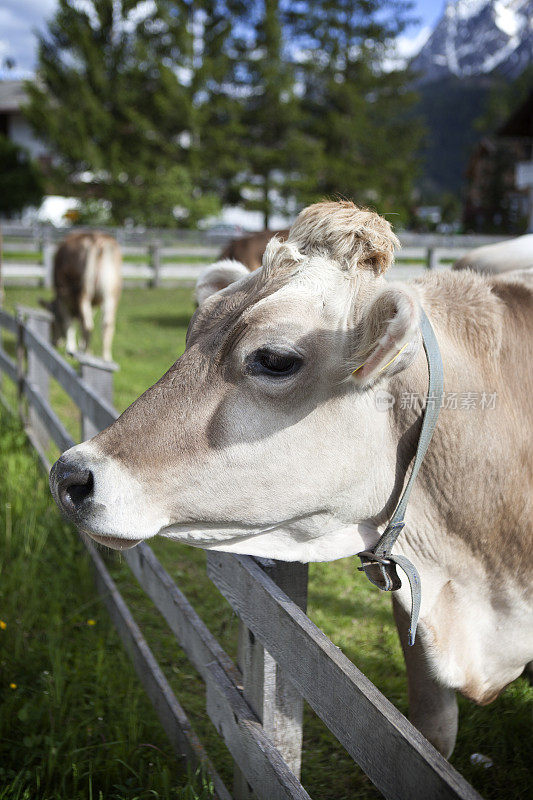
x: 75, y: 488
x: 78, y: 492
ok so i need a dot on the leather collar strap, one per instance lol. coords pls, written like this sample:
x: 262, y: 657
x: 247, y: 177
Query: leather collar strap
x: 379, y: 564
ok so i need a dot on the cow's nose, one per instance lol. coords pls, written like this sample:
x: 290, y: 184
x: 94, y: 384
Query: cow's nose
x: 72, y: 487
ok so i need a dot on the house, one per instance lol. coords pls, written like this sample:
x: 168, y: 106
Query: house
x: 14, y: 125
x: 496, y: 198
x: 519, y: 126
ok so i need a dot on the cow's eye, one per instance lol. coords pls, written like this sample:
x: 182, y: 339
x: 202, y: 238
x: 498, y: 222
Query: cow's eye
x: 277, y: 364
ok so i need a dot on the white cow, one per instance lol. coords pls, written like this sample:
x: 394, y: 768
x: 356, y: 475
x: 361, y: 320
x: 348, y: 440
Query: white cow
x: 500, y: 257
x: 269, y: 436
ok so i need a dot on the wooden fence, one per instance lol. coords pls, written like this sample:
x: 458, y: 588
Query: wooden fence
x: 283, y: 659
x: 28, y: 256
x: 156, y: 256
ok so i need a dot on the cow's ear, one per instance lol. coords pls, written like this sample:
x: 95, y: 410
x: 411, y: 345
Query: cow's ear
x: 217, y: 277
x: 387, y: 336
x: 46, y: 304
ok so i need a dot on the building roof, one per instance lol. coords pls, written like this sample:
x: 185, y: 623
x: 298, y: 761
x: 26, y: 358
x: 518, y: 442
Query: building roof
x: 520, y: 123
x: 12, y: 96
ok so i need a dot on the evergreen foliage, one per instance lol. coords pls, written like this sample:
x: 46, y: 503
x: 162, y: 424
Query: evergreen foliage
x: 112, y: 106
x: 22, y: 180
x: 458, y: 113
x: 492, y: 203
x: 170, y: 109
x: 503, y: 99
x: 218, y: 157
x: 359, y: 111
x: 448, y: 108
x: 281, y: 153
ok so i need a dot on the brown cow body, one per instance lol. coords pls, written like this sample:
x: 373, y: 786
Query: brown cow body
x: 269, y: 437
x: 249, y: 249
x: 87, y: 274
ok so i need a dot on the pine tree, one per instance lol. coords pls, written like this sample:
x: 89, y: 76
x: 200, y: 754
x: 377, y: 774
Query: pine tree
x: 114, y: 100
x: 277, y: 153
x: 357, y: 109
x: 218, y: 124
x: 22, y: 186
x: 503, y: 98
x: 22, y: 179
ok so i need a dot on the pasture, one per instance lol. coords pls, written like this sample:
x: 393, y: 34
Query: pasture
x: 55, y: 745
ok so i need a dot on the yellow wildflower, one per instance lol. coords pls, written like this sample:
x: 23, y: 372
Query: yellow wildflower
x: 12, y: 685
x: 3, y: 625
x: 91, y: 622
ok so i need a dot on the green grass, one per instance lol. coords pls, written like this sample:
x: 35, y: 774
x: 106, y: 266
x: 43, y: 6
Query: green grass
x: 132, y: 258
x: 129, y: 258
x: 21, y: 255
x: 399, y: 259
x: 74, y: 721
x: 150, y: 334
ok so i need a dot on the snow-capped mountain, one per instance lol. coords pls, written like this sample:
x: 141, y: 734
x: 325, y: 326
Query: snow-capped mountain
x: 475, y: 37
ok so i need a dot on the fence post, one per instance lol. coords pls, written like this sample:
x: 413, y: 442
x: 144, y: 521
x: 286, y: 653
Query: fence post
x: 48, y: 249
x: 37, y: 321
x: 1, y: 299
x: 20, y: 354
x: 2, y: 352
x: 99, y: 375
x: 271, y: 695
x: 155, y: 264
x: 1, y: 267
x: 432, y: 259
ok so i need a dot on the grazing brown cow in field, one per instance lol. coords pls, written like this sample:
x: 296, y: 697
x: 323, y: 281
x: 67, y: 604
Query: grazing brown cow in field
x: 249, y: 249
x: 269, y: 436
x: 87, y: 273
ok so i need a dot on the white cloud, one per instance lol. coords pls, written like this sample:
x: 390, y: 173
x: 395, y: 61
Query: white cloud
x: 140, y: 12
x: 86, y: 7
x: 18, y: 21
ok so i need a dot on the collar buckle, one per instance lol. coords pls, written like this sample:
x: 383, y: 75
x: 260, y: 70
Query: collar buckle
x: 379, y: 570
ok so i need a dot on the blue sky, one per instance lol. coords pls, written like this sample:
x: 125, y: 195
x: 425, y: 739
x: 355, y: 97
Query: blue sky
x: 428, y: 13
x: 429, y: 10
x: 19, y: 18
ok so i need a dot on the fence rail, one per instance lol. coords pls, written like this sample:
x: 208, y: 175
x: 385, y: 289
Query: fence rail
x: 283, y: 657
x: 156, y: 256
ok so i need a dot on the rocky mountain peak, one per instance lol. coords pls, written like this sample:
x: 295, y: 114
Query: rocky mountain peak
x: 476, y: 37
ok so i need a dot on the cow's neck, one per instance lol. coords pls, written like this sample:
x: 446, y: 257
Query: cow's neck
x: 469, y: 496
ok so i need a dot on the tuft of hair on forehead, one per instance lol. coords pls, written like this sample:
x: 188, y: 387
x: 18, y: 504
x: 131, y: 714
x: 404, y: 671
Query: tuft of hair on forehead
x: 354, y: 237
x: 280, y: 259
